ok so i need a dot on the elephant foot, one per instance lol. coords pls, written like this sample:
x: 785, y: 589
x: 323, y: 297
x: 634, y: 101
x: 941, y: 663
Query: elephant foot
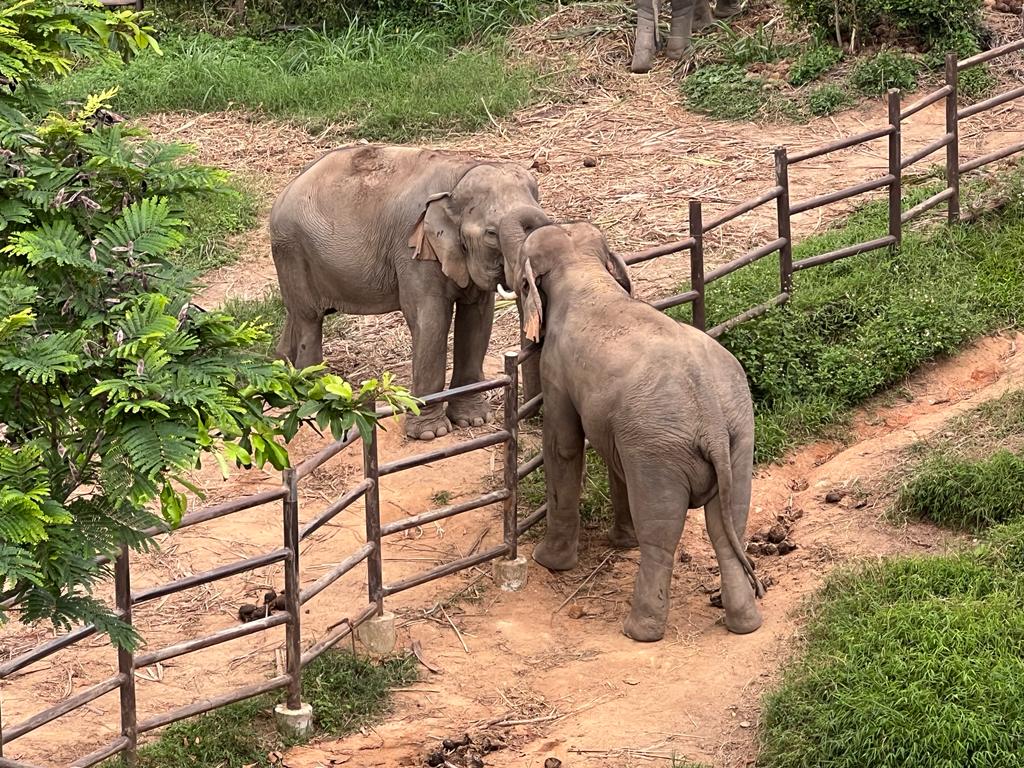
x: 430, y: 423
x: 470, y: 411
x: 622, y: 538
x: 554, y: 557
x: 702, y: 18
x: 743, y: 621
x: 642, y: 62
x: 643, y: 629
x: 677, y: 50
x: 726, y: 10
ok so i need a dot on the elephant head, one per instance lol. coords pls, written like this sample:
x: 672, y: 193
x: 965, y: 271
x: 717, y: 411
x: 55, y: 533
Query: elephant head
x: 572, y: 245
x: 462, y: 228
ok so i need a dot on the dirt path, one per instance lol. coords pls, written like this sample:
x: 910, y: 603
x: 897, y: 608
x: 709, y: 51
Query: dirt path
x: 597, y: 698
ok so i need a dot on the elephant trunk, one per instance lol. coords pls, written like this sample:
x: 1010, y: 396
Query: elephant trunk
x: 512, y: 233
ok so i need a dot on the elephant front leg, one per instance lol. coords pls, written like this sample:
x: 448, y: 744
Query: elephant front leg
x: 659, y: 502
x: 622, y: 535
x: 646, y: 36
x: 429, y: 321
x: 681, y: 28
x: 472, y: 333
x: 563, y: 474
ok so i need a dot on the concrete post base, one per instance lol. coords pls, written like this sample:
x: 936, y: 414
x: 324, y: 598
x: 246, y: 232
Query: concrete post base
x: 294, y: 723
x: 378, y: 634
x: 511, y: 575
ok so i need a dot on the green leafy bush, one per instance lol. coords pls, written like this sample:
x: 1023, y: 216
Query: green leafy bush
x: 813, y: 64
x: 828, y: 99
x: 114, y: 386
x: 887, y: 20
x: 725, y: 91
x: 885, y: 70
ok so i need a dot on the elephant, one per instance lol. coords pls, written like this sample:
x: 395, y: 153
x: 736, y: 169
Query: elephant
x: 667, y: 408
x: 687, y: 16
x: 369, y: 229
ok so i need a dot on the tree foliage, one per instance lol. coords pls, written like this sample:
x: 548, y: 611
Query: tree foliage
x: 113, y: 385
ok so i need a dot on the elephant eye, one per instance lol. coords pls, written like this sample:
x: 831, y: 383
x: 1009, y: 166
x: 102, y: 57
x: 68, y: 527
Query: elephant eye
x: 491, y: 232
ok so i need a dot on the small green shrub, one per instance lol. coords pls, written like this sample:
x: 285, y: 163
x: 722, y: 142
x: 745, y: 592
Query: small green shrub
x: 731, y: 45
x: 883, y: 71
x: 813, y: 64
x: 887, y: 20
x: 724, y: 91
x: 828, y: 99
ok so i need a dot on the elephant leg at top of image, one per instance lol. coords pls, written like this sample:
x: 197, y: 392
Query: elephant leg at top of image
x: 702, y: 17
x: 726, y: 9
x: 645, y: 43
x: 680, y: 33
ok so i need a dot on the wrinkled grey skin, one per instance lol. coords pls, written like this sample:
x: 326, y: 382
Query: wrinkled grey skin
x: 373, y: 229
x: 666, y: 406
x: 688, y: 16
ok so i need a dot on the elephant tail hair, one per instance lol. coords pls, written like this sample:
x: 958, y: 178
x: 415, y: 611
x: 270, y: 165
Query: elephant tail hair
x: 722, y: 461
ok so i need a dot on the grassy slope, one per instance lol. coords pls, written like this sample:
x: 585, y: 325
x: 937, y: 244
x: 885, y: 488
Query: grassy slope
x: 382, y: 82
x: 859, y: 325
x: 911, y: 662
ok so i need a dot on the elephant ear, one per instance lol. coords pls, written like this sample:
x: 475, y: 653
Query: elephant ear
x: 533, y: 306
x: 436, y: 238
x: 618, y: 269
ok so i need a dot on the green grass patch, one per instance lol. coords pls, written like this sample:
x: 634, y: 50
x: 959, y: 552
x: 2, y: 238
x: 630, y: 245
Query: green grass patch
x: 346, y: 692
x: 971, y: 475
x: 212, y: 218
x: 814, y: 63
x: 595, y: 501
x: 828, y: 99
x: 861, y: 324
x: 885, y: 70
x: 910, y: 662
x: 384, y: 82
x: 729, y: 92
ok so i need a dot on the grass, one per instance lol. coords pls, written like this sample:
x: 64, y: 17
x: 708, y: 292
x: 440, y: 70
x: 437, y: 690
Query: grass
x: 971, y: 476
x: 269, y: 311
x: 346, y: 692
x: 729, y: 92
x: 828, y: 99
x: 857, y: 326
x: 379, y: 80
x: 813, y: 63
x: 910, y: 662
x: 885, y: 70
x: 211, y: 218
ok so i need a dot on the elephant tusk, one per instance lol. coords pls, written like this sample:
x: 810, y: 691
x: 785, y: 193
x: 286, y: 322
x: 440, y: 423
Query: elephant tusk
x: 505, y: 293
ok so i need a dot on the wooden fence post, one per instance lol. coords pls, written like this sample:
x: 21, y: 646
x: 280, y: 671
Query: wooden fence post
x: 782, y: 214
x: 374, y: 562
x: 953, y: 147
x: 511, y: 475
x: 697, y: 265
x: 292, y: 588
x: 895, y: 168
x: 125, y: 658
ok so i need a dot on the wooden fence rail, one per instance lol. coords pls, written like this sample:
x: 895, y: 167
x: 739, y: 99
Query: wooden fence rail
x: 507, y: 436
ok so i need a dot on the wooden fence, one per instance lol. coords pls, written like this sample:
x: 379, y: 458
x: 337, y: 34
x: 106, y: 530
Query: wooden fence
x: 506, y: 436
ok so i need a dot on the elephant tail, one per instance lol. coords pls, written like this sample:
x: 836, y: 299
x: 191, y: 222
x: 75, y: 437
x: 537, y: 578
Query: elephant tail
x: 722, y: 461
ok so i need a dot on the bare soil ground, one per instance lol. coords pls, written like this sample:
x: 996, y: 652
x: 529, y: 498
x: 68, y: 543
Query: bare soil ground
x: 565, y: 677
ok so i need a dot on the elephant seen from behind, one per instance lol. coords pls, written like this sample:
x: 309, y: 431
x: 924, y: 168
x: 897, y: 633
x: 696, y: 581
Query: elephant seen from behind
x: 688, y: 16
x: 666, y: 407
x: 369, y: 229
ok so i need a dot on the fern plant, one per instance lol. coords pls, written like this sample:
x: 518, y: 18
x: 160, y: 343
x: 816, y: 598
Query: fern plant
x: 113, y: 385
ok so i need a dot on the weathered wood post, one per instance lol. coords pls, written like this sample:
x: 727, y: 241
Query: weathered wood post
x: 783, y: 214
x: 697, y: 265
x: 953, y: 147
x: 895, y: 168
x: 125, y: 658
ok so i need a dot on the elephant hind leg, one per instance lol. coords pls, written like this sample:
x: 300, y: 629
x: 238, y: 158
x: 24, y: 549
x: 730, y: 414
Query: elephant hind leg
x: 659, y: 500
x: 681, y: 29
x: 302, y: 339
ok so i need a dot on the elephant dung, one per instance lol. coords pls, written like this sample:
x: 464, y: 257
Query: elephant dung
x: 777, y: 533
x: 552, y: 762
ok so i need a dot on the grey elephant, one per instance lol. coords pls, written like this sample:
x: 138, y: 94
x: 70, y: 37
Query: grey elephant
x: 687, y: 16
x: 369, y: 229
x: 666, y: 407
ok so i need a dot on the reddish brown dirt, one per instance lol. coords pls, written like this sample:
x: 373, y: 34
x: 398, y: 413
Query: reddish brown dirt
x: 592, y: 696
